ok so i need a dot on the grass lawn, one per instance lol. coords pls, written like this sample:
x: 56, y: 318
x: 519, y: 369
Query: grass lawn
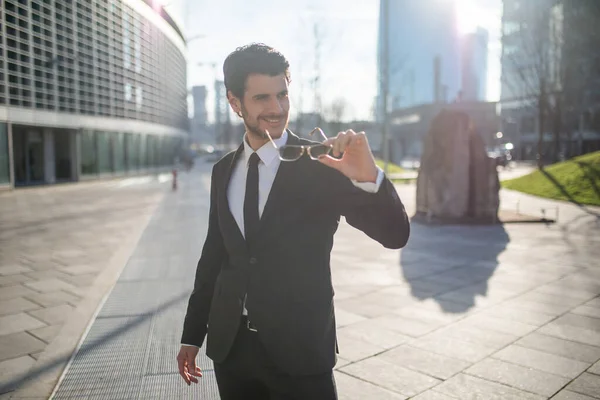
x: 578, y: 177
x: 392, y: 168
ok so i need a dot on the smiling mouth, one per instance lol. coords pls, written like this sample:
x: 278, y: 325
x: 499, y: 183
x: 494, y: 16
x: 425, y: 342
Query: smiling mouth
x: 273, y: 120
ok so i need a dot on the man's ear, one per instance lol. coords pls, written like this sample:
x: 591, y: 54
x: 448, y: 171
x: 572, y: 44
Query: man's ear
x: 235, y: 103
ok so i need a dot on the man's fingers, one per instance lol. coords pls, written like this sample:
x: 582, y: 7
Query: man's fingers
x: 182, y: 363
x: 194, y: 369
x: 331, y: 162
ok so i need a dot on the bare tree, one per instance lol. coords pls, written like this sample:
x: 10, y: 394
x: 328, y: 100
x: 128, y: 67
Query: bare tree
x: 335, y: 113
x: 537, y: 39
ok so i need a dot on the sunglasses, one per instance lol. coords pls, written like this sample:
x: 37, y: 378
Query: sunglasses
x: 291, y: 152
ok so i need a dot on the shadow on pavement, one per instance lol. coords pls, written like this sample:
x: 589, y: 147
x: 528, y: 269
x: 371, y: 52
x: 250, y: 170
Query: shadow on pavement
x: 452, y: 264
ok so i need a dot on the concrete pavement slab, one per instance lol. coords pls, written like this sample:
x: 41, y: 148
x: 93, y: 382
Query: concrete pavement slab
x: 586, y: 383
x: 19, y: 344
x: 420, y: 360
x: 391, y: 376
x: 542, y: 361
x: 464, y: 386
x: 352, y: 388
x: 517, y: 376
x: 560, y: 347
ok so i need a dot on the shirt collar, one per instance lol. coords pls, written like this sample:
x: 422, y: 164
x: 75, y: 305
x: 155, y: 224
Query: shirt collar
x: 267, y: 153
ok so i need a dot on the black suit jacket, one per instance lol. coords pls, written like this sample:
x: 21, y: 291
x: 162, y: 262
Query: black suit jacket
x: 286, y: 273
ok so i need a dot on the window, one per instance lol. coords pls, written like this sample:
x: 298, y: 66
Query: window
x: 4, y: 166
x: 89, y: 159
x: 104, y: 152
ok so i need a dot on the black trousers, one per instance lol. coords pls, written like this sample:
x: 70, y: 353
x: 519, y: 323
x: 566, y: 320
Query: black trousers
x: 249, y: 374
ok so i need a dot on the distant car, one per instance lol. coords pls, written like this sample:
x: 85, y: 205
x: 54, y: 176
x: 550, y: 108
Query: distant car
x: 502, y: 157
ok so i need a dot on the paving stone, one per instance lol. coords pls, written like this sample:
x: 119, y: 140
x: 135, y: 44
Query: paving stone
x: 464, y: 386
x: 573, y: 333
x: 588, y: 384
x: 587, y: 311
x: 424, y: 314
x: 350, y: 388
x: 593, y: 303
x: 11, y: 280
x: 545, y: 308
x: 53, y: 298
x: 431, y: 394
x: 568, y: 395
x: 9, y: 292
x: 373, y: 333
x: 595, y: 369
x: 561, y: 291
x: 53, y: 315
x: 16, y: 305
x: 517, y: 376
x: 390, y: 376
x: 580, y: 321
x: 486, y: 337
x: 343, y: 317
x: 13, y: 269
x: 12, y: 369
x: 404, y: 326
x: 19, y: 344
x: 20, y: 322
x: 353, y: 350
x: 436, y: 365
x: 81, y: 280
x: 451, y: 347
x: 49, y: 285
x: 47, y: 333
x: 561, y: 347
x: 368, y: 310
x: 513, y: 328
x: 542, y: 361
x: 550, y: 298
x: 503, y: 311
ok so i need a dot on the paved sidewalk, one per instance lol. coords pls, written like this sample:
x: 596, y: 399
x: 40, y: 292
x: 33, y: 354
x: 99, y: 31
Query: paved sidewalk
x: 479, y: 312
x: 56, y: 246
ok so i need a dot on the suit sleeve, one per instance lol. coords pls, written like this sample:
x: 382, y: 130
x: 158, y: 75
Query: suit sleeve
x: 381, y: 215
x: 209, y: 266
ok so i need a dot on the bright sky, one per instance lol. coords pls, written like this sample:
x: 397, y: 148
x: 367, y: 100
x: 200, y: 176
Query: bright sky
x: 348, y: 49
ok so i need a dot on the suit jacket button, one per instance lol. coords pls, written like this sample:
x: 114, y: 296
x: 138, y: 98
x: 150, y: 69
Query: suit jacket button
x: 253, y: 260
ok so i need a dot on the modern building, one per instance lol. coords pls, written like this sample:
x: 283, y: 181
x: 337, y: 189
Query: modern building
x: 202, y: 134
x: 409, y: 126
x: 423, y: 61
x: 474, y: 53
x: 88, y: 88
x: 554, y: 42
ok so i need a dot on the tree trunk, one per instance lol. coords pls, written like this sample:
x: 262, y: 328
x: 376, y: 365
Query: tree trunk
x: 541, y: 110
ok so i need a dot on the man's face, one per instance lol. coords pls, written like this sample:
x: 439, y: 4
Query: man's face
x: 266, y: 105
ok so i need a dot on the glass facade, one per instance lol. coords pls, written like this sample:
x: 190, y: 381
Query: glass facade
x: 117, y: 152
x: 4, y: 161
x: 89, y: 154
x: 101, y: 58
x: 105, y: 162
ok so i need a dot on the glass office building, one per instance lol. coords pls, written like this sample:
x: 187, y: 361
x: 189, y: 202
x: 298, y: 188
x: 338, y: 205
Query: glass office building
x: 88, y: 88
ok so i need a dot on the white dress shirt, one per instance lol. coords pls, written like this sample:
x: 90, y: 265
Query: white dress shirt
x: 267, y: 169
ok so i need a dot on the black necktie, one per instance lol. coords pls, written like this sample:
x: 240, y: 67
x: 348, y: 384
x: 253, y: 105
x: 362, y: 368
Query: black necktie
x: 251, y: 217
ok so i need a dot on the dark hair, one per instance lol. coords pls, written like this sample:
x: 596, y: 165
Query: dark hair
x: 254, y: 58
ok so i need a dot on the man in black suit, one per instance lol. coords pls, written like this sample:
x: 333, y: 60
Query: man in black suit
x: 263, y: 294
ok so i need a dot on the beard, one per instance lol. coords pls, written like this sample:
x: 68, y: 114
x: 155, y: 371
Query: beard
x: 253, y: 127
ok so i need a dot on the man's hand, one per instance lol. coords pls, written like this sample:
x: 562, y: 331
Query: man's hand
x: 186, y: 360
x: 357, y: 161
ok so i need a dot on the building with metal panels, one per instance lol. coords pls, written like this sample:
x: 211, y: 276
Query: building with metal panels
x: 88, y: 88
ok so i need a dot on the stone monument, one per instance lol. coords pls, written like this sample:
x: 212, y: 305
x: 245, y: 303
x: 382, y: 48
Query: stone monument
x: 457, y: 181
